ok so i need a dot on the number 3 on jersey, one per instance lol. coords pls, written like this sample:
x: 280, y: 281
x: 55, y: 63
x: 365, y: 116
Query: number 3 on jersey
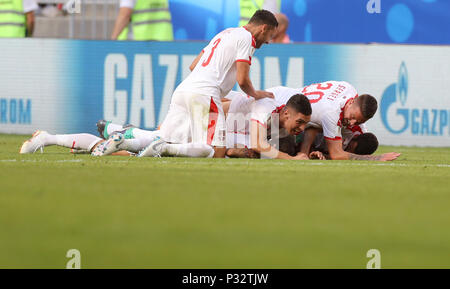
x: 206, y: 62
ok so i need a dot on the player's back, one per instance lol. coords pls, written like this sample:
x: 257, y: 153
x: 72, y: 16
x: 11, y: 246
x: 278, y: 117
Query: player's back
x: 215, y: 73
x: 328, y: 98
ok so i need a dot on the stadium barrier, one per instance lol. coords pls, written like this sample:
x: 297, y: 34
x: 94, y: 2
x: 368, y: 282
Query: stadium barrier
x: 65, y: 86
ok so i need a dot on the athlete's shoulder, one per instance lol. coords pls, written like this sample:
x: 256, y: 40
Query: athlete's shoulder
x: 240, y: 34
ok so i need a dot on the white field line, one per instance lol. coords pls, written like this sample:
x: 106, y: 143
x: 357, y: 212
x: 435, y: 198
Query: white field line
x: 276, y: 163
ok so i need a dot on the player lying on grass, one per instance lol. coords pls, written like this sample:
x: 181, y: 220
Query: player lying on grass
x: 288, y: 119
x: 353, y: 141
x: 336, y: 105
x: 333, y: 114
x: 254, y: 127
x: 238, y: 136
x: 291, y: 119
x: 85, y: 142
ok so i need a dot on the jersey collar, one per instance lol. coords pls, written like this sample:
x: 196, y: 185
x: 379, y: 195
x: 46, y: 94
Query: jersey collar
x: 253, y: 38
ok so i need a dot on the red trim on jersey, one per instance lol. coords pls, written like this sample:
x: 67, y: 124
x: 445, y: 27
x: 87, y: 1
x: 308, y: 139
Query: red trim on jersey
x: 336, y: 138
x: 265, y: 126
x: 253, y: 38
x: 244, y: 60
x: 355, y: 128
x: 278, y: 109
x: 213, y: 116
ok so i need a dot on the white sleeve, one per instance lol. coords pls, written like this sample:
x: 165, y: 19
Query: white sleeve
x: 245, y: 49
x: 331, y: 130
x: 127, y: 3
x: 29, y: 5
x: 261, y: 110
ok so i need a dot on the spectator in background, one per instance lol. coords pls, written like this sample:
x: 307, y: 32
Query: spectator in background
x: 283, y: 25
x: 143, y: 20
x: 249, y: 7
x: 17, y: 18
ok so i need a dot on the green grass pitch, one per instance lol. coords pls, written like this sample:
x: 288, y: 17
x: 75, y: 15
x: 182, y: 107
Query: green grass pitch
x: 123, y: 212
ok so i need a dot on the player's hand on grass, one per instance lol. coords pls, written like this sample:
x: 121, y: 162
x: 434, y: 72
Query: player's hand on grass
x: 301, y: 156
x: 316, y: 155
x: 389, y: 156
x: 263, y: 94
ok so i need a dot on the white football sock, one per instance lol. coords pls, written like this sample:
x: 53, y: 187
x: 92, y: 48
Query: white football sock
x: 192, y: 150
x: 81, y: 141
x: 141, y: 133
x: 112, y: 127
x: 135, y: 145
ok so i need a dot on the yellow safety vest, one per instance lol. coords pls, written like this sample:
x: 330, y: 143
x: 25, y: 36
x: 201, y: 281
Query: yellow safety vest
x: 151, y: 20
x: 12, y: 19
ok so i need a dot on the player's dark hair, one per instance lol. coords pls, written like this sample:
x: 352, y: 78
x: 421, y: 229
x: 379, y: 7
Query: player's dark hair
x: 300, y: 103
x: 368, y: 105
x: 367, y: 144
x: 264, y: 17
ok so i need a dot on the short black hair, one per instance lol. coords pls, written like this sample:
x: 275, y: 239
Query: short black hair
x: 368, y: 105
x: 367, y: 144
x: 264, y: 17
x: 300, y: 103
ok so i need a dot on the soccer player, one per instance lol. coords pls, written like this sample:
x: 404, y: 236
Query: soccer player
x: 255, y: 127
x: 336, y: 105
x: 195, y: 114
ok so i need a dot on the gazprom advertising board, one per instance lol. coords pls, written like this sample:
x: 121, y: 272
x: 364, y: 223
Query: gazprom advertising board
x: 65, y: 86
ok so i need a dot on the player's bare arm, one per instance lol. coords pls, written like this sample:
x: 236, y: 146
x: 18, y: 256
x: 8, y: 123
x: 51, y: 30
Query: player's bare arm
x: 242, y: 153
x: 245, y: 83
x: 196, y: 60
x: 308, y: 139
x: 258, y: 135
x: 337, y: 153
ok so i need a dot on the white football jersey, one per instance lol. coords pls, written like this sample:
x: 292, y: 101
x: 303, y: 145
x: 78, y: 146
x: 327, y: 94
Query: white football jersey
x: 244, y: 109
x: 327, y: 101
x: 215, y: 73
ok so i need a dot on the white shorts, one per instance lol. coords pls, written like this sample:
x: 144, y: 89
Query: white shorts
x: 194, y: 118
x: 238, y: 121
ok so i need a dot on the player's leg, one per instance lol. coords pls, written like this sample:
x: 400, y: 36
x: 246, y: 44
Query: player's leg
x: 107, y: 128
x: 207, y: 123
x: 40, y: 139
